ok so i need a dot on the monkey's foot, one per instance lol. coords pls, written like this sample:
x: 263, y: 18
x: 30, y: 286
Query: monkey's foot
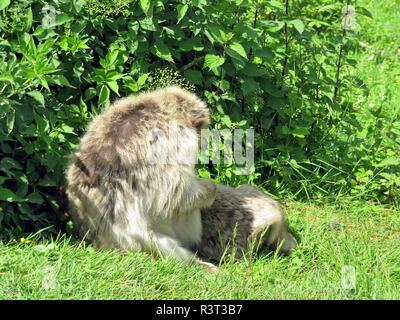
x: 209, y: 267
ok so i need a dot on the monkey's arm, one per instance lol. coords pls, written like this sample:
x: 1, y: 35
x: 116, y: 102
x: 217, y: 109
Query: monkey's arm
x: 193, y: 194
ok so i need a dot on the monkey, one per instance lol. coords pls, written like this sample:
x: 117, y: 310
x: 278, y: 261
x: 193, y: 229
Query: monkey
x: 241, y: 220
x: 131, y: 183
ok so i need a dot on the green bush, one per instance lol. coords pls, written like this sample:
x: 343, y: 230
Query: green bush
x: 284, y: 68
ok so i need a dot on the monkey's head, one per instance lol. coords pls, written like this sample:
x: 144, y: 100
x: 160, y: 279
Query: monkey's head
x: 194, y: 111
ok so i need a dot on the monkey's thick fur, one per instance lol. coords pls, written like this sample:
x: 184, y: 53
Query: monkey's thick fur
x: 131, y: 189
x: 241, y: 220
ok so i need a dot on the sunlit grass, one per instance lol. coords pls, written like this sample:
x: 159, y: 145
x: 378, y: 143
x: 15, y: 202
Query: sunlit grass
x: 364, y: 237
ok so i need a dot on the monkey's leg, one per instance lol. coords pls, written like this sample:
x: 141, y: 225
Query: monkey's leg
x: 272, y: 225
x: 167, y: 246
x: 285, y: 241
x: 279, y: 238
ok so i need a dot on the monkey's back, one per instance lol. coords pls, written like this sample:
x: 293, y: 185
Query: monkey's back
x: 236, y: 215
x: 120, y: 175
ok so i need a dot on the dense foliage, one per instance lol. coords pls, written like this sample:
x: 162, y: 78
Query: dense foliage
x: 284, y: 68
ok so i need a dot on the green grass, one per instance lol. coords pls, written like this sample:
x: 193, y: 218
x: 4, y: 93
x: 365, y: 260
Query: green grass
x: 379, y: 62
x: 365, y: 237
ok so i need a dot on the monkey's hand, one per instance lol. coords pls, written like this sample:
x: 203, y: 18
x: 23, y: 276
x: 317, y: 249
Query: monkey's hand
x: 208, y: 192
x: 207, y: 266
x: 194, y: 194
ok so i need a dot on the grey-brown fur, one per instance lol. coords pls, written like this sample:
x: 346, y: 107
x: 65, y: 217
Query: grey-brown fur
x: 128, y: 188
x: 240, y: 217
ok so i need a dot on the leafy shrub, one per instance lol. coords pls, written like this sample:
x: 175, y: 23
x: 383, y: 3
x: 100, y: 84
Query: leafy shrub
x: 283, y: 68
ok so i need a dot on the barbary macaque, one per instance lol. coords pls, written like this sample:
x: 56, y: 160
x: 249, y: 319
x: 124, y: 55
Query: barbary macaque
x: 242, y: 220
x: 131, y: 182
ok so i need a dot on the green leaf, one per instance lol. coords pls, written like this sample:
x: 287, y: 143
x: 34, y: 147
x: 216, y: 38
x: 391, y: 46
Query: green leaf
x: 34, y: 197
x: 22, y: 184
x: 272, y: 89
x: 37, y: 96
x: 162, y: 51
x: 390, y: 161
x: 182, y: 9
x: 113, y: 85
x: 224, y: 85
x: 364, y: 11
x: 44, y: 83
x: 133, y: 27
x: 194, y: 76
x: 142, y: 79
x: 265, y: 53
x: 67, y: 129
x: 130, y: 84
x: 90, y: 93
x: 238, y: 48
x: 148, y: 24
x: 47, y: 182
x: 253, y: 70
x: 266, y: 124
x: 9, y: 196
x: 113, y: 76
x: 215, y: 32
x: 146, y: 7
x: 29, y: 19
x: 226, y: 121
x: 277, y: 5
x: 10, y: 121
x: 300, y: 132
x: 238, y: 55
x: 7, y: 78
x: 4, y: 4
x: 212, y: 61
x: 78, y: 4
x: 8, y: 163
x: 2, y: 179
x: 63, y: 18
x: 61, y: 80
x: 112, y: 57
x: 203, y: 173
x: 41, y: 122
x: 104, y: 96
x: 274, y: 26
x: 199, y: 3
x: 249, y: 85
x: 298, y: 24
x: 191, y: 44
